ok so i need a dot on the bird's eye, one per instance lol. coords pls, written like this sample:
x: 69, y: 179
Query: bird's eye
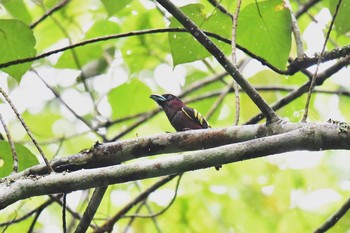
x: 169, y: 97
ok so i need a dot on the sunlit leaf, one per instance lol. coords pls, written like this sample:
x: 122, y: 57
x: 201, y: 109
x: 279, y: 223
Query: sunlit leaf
x: 42, y: 124
x: 341, y: 23
x: 130, y: 98
x: 25, y: 158
x: 18, y: 10
x: 184, y: 47
x: 145, y: 51
x: 16, y: 42
x: 113, y: 6
x: 265, y: 30
x: 91, y: 51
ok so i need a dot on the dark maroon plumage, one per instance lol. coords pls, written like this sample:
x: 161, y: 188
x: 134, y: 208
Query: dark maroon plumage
x: 180, y: 116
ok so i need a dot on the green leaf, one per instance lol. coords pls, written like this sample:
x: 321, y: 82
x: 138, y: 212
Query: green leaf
x: 18, y: 10
x: 145, y: 51
x: 184, y: 47
x: 113, y: 6
x: 42, y: 124
x: 16, y: 42
x: 26, y: 158
x: 265, y: 30
x: 91, y: 51
x: 341, y: 23
x: 344, y: 102
x: 130, y: 98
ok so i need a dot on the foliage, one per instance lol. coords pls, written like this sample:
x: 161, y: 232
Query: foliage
x: 99, y: 91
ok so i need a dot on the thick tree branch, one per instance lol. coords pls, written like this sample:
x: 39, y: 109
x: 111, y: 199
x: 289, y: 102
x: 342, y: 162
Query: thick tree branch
x: 101, y: 155
x: 107, y: 154
x: 312, y: 137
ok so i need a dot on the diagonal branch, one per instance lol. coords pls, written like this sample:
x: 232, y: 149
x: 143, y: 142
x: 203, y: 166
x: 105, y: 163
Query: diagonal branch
x: 334, y: 218
x: 221, y: 58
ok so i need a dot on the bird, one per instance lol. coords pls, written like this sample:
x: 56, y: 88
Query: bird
x: 180, y: 116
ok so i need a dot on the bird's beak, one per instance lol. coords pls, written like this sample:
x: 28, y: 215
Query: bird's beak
x: 158, y: 98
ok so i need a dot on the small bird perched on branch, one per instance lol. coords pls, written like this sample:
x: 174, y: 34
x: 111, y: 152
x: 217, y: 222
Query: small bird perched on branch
x: 180, y: 116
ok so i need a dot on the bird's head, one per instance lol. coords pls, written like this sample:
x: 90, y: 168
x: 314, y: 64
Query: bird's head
x: 168, y: 101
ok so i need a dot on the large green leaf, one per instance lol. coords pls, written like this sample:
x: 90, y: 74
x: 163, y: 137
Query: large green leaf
x: 130, y: 98
x: 184, y: 47
x: 16, y: 42
x: 265, y: 30
x: 342, y: 20
x: 25, y: 158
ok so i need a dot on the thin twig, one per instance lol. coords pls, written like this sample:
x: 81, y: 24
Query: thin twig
x: 73, y: 213
x: 37, y: 215
x: 64, y: 219
x: 234, y: 61
x: 49, y: 12
x: 108, y: 225
x: 313, y: 81
x: 9, y: 223
x: 148, y: 207
x: 78, y: 64
x: 58, y: 96
x: 221, y: 97
x: 19, y: 117
x: 30, y: 213
x: 163, y: 210
x: 12, y: 145
x: 334, y: 218
x: 131, y: 220
x: 306, y: 7
x: 296, y: 32
x: 220, y: 7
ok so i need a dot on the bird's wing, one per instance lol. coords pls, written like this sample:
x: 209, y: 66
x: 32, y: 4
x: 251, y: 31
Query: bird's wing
x: 194, y: 115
